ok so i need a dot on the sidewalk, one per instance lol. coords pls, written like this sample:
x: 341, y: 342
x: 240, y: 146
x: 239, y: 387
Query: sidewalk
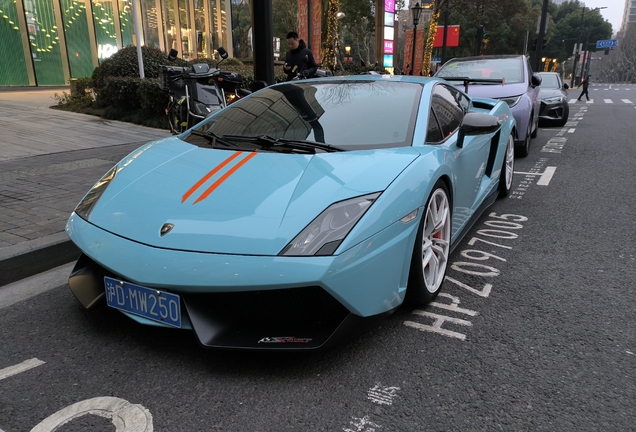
x: 48, y: 161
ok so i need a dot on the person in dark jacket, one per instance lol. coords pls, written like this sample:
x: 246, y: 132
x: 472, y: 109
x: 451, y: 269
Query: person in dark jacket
x: 584, y: 92
x: 295, y: 62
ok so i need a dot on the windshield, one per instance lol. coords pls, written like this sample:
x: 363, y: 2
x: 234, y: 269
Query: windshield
x: 497, y: 68
x: 550, y: 81
x: 350, y: 115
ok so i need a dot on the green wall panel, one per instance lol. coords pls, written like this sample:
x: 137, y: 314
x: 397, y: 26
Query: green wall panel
x: 45, y: 42
x: 77, y: 38
x: 13, y: 69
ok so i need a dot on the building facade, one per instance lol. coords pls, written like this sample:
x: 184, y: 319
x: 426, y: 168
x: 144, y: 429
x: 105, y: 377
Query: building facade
x: 629, y: 14
x: 48, y: 42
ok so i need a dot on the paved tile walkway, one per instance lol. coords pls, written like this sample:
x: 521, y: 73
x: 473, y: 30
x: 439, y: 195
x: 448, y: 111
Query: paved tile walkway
x: 48, y: 160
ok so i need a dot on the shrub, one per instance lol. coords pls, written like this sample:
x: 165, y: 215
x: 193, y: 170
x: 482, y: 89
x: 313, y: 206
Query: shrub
x: 120, y: 92
x: 124, y: 63
x: 152, y: 98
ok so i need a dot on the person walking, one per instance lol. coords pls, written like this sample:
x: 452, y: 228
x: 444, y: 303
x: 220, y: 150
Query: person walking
x: 584, y: 83
x: 299, y: 58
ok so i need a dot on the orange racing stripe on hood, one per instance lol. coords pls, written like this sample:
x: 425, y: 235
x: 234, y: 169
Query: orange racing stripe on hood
x: 225, y: 177
x: 208, y: 175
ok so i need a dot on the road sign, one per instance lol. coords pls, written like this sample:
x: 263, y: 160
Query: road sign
x: 606, y: 43
x: 436, y: 59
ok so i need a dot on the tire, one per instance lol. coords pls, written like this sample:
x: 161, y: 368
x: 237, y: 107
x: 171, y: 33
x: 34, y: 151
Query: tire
x: 431, y: 249
x: 564, y: 119
x: 507, y: 169
x: 523, y: 151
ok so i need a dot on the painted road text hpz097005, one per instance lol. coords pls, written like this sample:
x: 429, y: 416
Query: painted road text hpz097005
x: 296, y: 215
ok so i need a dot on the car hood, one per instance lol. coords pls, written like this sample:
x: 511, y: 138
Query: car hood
x: 226, y: 201
x: 549, y: 93
x: 495, y: 91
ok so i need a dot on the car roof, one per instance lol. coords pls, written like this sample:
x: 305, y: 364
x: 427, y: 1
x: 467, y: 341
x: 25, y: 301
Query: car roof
x: 487, y: 57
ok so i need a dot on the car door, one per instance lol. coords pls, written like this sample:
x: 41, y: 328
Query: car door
x: 448, y: 107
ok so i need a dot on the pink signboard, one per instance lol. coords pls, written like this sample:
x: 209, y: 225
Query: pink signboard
x: 388, y: 47
x: 389, y: 5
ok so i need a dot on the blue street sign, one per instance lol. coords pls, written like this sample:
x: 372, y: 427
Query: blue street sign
x: 436, y: 59
x: 606, y: 43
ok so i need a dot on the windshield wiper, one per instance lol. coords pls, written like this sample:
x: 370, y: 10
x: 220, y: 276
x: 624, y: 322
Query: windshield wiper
x: 270, y: 141
x: 211, y: 136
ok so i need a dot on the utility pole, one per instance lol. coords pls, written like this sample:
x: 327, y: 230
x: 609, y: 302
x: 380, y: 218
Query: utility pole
x: 542, y: 25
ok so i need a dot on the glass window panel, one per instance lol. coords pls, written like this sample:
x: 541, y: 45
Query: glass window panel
x: 45, y: 42
x: 126, y: 23
x: 187, y: 44
x: 200, y: 27
x: 13, y: 68
x: 104, y: 29
x: 150, y: 20
x: 77, y: 39
x: 171, y: 28
x: 241, y: 26
x: 219, y: 24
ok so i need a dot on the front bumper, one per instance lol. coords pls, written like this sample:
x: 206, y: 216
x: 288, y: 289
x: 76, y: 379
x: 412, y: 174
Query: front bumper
x: 552, y: 111
x: 234, y: 301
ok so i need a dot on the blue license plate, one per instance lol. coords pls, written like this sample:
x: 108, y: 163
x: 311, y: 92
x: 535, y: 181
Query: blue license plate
x: 149, y: 303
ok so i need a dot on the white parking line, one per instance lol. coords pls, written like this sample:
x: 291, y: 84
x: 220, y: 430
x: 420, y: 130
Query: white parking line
x: 590, y: 101
x: 19, y: 368
x: 544, y: 180
x: 627, y: 101
x: 26, y: 288
x: 608, y: 101
x: 546, y: 176
x: 571, y: 130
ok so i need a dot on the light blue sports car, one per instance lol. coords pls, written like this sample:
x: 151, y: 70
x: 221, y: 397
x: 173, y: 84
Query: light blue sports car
x: 296, y: 215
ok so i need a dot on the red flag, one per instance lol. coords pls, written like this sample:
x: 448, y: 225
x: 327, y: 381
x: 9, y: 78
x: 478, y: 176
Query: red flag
x: 303, y: 11
x: 452, y: 36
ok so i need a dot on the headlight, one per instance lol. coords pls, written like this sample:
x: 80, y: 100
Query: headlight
x: 325, y: 233
x: 511, y: 101
x: 203, y: 109
x: 85, y: 207
x: 553, y: 99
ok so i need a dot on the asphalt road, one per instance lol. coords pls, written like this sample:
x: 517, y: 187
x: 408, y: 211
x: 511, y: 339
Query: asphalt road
x: 535, y: 329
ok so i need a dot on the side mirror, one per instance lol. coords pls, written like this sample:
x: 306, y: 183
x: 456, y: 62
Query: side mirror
x: 536, y: 80
x: 565, y: 86
x: 222, y: 52
x: 172, y: 56
x: 477, y: 124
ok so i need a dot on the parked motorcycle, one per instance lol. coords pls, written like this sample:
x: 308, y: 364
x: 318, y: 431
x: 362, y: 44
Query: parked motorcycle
x: 198, y: 91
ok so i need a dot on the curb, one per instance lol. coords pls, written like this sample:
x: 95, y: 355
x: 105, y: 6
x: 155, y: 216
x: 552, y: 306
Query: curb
x: 35, y: 256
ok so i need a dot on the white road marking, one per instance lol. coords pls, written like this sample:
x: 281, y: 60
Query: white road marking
x: 382, y: 395
x: 437, y: 325
x: 608, y: 101
x: 125, y: 416
x: 544, y: 180
x: 590, y: 101
x: 19, y: 368
x: 362, y: 425
x: 627, y: 101
x: 573, y: 100
x: 34, y: 285
x: 571, y: 130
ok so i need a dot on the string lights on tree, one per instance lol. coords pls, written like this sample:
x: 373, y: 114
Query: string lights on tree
x: 329, y: 53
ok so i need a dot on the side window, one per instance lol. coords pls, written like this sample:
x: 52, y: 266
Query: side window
x: 448, y: 108
x: 433, y: 133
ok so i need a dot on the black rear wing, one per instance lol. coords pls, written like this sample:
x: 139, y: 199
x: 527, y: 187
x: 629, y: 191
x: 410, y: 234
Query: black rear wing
x: 467, y: 81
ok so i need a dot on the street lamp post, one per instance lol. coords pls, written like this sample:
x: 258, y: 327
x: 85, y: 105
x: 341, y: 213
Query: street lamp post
x: 416, y: 11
